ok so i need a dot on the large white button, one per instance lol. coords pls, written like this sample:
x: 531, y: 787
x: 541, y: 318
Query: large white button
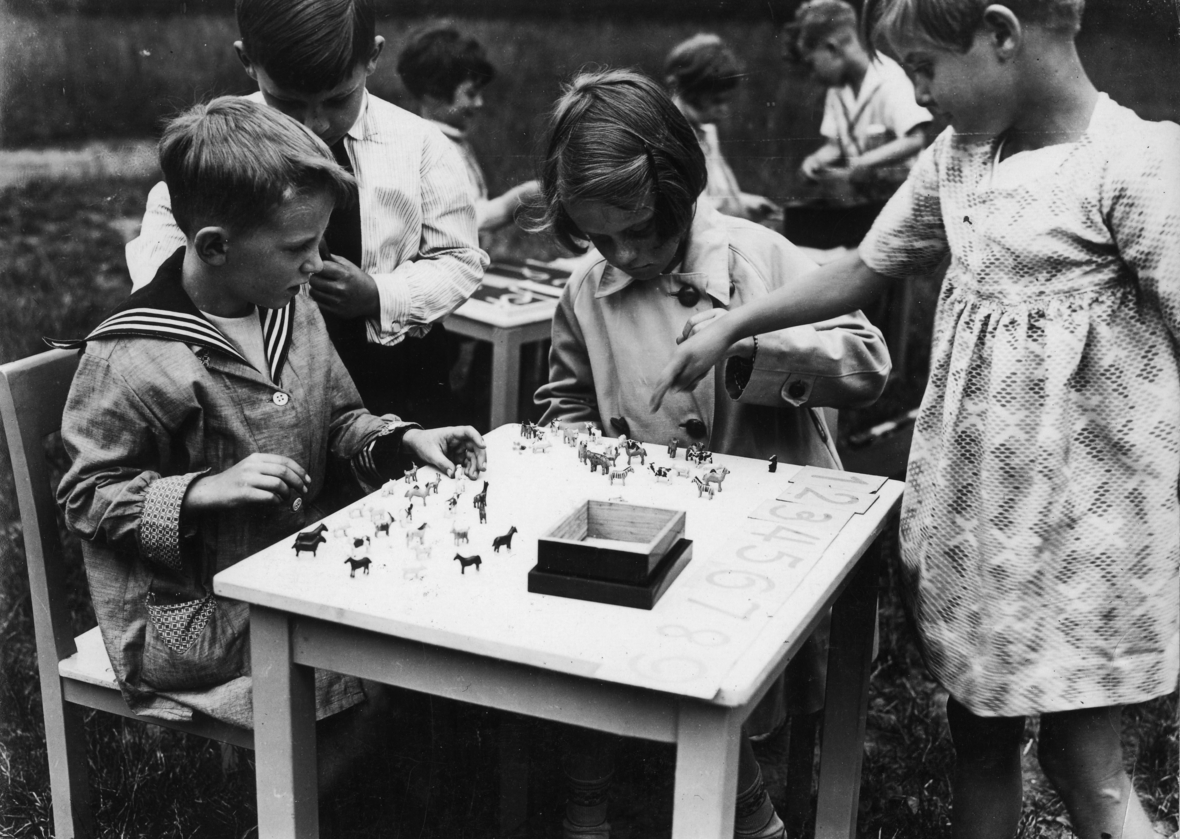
x: 280, y: 398
x: 297, y: 504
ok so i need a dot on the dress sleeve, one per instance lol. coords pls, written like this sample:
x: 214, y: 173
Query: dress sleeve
x: 569, y: 395
x: 1143, y: 214
x: 449, y: 264
x: 159, y: 237
x: 113, y: 493
x: 909, y: 237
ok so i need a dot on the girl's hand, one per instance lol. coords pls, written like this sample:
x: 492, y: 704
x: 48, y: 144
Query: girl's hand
x: 258, y: 479
x: 448, y: 448
x: 345, y: 290
x: 693, y: 359
x: 698, y: 322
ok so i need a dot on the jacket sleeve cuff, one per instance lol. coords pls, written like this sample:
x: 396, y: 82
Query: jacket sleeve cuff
x: 159, y: 524
x: 381, y: 458
x: 746, y: 382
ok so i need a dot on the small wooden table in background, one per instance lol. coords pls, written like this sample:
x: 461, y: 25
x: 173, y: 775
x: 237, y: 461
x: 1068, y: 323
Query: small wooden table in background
x: 687, y: 672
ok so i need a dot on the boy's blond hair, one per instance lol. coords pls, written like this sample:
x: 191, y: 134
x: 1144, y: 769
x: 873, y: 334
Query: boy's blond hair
x: 232, y: 162
x: 953, y: 23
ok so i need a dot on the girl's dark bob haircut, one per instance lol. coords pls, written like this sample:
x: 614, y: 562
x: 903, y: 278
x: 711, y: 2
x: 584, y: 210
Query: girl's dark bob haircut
x: 615, y: 136
x: 953, y: 23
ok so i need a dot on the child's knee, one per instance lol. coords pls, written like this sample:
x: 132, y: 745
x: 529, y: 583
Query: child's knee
x: 983, y: 740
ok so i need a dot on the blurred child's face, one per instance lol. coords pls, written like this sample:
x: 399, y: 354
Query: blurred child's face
x: 464, y: 106
x: 975, y: 90
x: 626, y: 238
x: 266, y: 266
x: 827, y: 64
x: 328, y: 113
x: 712, y: 107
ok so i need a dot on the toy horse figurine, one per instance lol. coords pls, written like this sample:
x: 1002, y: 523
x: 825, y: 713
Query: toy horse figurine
x: 702, y: 488
x: 310, y: 540
x: 480, y: 502
x: 464, y: 561
x: 418, y: 535
x: 411, y: 475
x: 460, y: 532
x: 363, y: 563
x: 620, y: 474
x: 432, y: 486
x: 504, y: 541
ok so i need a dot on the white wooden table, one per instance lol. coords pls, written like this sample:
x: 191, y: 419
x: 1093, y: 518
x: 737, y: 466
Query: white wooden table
x: 687, y: 672
x: 507, y: 329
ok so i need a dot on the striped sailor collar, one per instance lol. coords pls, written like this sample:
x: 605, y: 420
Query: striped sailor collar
x: 163, y: 310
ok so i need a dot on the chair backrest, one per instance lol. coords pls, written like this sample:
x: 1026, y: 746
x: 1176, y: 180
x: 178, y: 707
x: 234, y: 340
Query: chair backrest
x: 33, y: 395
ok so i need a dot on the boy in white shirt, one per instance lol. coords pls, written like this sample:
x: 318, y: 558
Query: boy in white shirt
x: 872, y: 125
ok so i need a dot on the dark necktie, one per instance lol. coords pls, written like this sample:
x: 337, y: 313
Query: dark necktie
x: 343, y: 238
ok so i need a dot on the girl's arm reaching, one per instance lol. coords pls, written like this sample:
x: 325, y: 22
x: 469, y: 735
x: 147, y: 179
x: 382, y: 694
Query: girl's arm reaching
x: 829, y: 291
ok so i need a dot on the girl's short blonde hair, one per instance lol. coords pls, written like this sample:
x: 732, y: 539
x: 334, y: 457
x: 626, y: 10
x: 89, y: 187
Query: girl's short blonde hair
x: 953, y: 23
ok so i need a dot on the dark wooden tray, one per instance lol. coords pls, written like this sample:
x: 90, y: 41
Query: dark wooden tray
x: 635, y: 596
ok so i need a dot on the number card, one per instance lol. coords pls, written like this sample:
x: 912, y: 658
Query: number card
x: 853, y: 481
x: 828, y: 498
x: 811, y: 521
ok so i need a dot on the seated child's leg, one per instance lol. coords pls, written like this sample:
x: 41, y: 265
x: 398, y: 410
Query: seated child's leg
x: 351, y: 740
x: 589, y: 763
x: 987, y: 783
x: 755, y: 817
x: 1082, y: 755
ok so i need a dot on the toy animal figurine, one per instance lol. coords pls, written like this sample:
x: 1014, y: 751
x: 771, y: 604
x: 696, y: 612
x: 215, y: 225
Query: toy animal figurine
x: 716, y: 476
x: 583, y: 451
x: 418, y: 492
x: 460, y: 533
x: 704, y: 456
x: 452, y: 502
x: 388, y: 489
x: 417, y: 536
x: 410, y: 511
x: 541, y: 445
x: 620, y: 474
x: 421, y: 552
x: 528, y: 430
x: 310, y: 540
x: 504, y: 541
x: 673, y: 447
x: 682, y: 471
x: 773, y: 461
x: 569, y: 435
x: 363, y: 563
x: 635, y: 449
x: 411, y: 475
x: 663, y: 473
x: 432, y: 486
x: 598, y: 461
x: 480, y: 502
x: 518, y: 446
x: 381, y: 519
x: 464, y: 561
x: 702, y: 488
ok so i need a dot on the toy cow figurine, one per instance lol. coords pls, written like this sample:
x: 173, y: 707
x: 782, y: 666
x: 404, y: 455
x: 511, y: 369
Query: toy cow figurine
x: 662, y: 473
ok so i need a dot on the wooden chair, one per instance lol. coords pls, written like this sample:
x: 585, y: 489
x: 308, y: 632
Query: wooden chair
x: 75, y: 672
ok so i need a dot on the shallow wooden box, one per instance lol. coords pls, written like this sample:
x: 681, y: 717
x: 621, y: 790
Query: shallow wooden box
x: 606, y: 540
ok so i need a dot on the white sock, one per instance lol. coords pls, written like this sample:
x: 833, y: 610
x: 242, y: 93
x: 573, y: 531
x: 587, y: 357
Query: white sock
x: 755, y: 817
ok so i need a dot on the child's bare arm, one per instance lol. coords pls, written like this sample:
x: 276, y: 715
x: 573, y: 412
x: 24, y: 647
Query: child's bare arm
x: 497, y: 212
x: 893, y: 152
x: 829, y: 291
x: 823, y: 157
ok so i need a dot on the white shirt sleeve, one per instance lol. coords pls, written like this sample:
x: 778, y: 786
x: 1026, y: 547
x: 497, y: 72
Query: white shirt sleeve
x: 158, y: 239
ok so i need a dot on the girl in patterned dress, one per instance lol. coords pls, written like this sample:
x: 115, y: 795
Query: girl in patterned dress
x: 1041, y: 530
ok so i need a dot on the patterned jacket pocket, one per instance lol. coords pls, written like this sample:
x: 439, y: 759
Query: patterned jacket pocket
x: 191, y: 644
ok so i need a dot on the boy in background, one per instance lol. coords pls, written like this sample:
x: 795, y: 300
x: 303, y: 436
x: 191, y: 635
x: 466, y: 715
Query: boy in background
x: 204, y: 414
x: 872, y: 125
x: 446, y: 71
x: 406, y: 253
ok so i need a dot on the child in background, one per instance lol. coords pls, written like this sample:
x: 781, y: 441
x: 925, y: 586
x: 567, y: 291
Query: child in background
x: 204, y: 413
x: 406, y: 253
x: 1041, y: 553
x: 702, y: 74
x: 873, y: 127
x: 623, y: 170
x: 446, y: 72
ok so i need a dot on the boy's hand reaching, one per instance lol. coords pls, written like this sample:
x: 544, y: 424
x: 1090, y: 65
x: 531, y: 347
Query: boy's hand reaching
x: 258, y: 479
x: 345, y: 290
x: 448, y: 448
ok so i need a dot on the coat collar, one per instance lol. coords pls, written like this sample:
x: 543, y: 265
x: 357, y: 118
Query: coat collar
x: 705, y: 266
x: 163, y: 310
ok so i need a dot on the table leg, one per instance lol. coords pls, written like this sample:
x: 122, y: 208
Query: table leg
x: 850, y: 661
x: 505, y: 377
x: 284, y: 731
x: 706, y: 771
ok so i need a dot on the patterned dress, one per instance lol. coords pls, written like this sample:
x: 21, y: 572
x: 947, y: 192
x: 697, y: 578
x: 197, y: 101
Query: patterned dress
x: 1041, y: 529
